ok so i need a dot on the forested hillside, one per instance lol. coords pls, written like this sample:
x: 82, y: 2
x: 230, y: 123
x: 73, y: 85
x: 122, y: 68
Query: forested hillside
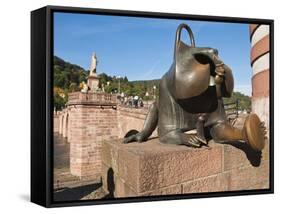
x: 67, y: 78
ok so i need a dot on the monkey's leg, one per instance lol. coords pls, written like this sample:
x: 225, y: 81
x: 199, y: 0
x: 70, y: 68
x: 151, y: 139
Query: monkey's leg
x: 200, y: 128
x: 253, y: 132
x: 222, y: 132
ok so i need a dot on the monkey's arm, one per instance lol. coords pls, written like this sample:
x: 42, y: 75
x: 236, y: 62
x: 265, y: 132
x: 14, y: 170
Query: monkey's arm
x: 224, y: 78
x: 228, y: 83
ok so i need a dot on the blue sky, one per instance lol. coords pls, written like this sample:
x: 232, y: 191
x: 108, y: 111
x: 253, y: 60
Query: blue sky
x: 142, y: 48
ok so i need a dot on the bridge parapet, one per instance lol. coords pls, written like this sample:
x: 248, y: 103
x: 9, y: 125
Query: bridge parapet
x: 91, y: 98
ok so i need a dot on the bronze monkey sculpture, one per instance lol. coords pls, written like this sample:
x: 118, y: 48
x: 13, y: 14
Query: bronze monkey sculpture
x: 190, y: 97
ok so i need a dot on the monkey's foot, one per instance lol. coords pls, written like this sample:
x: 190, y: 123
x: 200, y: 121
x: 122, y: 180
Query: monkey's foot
x: 254, y: 132
x: 201, y: 138
x: 193, y: 140
x: 134, y: 136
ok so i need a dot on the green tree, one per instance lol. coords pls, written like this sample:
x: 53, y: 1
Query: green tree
x: 67, y: 77
x: 244, y: 101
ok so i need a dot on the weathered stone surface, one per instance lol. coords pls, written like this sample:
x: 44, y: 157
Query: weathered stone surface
x: 153, y: 168
x: 109, y: 153
x: 214, y: 183
x: 129, y: 166
x: 114, y: 184
x: 177, y: 165
x: 243, y: 155
x: 171, y: 190
x: 249, y: 177
x: 123, y: 190
x: 105, y: 179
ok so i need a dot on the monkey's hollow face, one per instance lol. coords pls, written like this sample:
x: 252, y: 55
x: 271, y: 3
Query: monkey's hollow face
x: 194, y: 85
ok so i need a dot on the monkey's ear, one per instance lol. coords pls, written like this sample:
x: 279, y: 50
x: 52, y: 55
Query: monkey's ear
x: 181, y: 51
x: 178, y: 42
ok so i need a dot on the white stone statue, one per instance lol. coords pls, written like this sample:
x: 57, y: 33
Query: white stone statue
x: 94, y: 63
x: 93, y: 78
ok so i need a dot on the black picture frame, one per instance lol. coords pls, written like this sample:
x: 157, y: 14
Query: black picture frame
x: 42, y: 104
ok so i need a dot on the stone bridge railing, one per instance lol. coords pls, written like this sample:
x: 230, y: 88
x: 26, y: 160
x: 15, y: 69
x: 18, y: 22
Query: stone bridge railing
x: 91, y: 98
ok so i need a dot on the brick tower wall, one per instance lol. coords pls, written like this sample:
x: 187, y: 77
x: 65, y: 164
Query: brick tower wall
x: 260, y: 57
x: 90, y: 126
x: 92, y: 119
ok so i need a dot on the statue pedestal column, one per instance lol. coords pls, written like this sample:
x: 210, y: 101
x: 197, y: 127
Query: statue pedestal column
x: 93, y: 82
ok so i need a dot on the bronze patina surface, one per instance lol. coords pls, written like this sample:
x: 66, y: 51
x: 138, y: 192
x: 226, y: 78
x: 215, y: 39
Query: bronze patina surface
x: 190, y: 97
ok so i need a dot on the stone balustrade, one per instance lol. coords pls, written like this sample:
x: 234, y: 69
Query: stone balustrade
x: 92, y: 98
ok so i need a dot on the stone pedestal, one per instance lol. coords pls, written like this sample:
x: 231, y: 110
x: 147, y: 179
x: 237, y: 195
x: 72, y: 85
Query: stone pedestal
x: 93, y: 82
x: 152, y: 168
x: 92, y: 120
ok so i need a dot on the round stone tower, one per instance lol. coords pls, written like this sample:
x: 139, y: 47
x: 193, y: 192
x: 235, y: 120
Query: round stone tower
x: 260, y: 58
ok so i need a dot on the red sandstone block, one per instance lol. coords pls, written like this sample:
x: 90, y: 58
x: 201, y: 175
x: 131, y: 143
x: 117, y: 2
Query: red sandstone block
x: 128, y: 167
x: 171, y: 190
x: 88, y: 170
x: 171, y: 168
x: 104, y: 170
x: 109, y: 155
x: 151, y: 166
x: 214, y: 183
x: 249, y: 177
x: 85, y: 157
x: 112, y: 183
x: 122, y: 189
x: 243, y: 156
x: 109, y: 177
x: 75, y: 171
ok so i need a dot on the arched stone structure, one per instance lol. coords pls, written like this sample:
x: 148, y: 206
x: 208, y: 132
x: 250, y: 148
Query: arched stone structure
x: 260, y: 58
x: 65, y: 124
x: 56, y: 121
x: 68, y: 131
x: 60, y: 122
